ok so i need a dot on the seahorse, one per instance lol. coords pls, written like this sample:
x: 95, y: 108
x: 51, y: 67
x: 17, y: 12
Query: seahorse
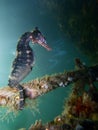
x: 24, y: 61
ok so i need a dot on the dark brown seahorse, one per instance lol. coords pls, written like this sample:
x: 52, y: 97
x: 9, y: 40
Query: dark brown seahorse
x: 24, y: 61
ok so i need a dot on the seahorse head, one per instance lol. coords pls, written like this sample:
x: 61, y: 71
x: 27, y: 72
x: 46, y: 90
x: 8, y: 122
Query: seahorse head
x: 37, y: 37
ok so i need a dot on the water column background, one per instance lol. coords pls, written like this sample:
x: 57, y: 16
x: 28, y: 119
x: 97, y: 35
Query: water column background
x: 17, y: 17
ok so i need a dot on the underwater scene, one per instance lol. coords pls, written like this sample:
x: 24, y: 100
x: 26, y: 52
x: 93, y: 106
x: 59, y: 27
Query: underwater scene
x: 48, y: 65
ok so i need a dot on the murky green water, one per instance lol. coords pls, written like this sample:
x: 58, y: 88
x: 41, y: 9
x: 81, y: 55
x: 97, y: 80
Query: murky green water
x: 17, y: 17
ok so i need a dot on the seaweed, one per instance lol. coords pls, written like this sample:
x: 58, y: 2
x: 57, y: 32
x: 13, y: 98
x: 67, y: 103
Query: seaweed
x: 81, y: 105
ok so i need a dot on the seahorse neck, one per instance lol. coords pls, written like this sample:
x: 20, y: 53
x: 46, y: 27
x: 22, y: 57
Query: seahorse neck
x: 24, y: 41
